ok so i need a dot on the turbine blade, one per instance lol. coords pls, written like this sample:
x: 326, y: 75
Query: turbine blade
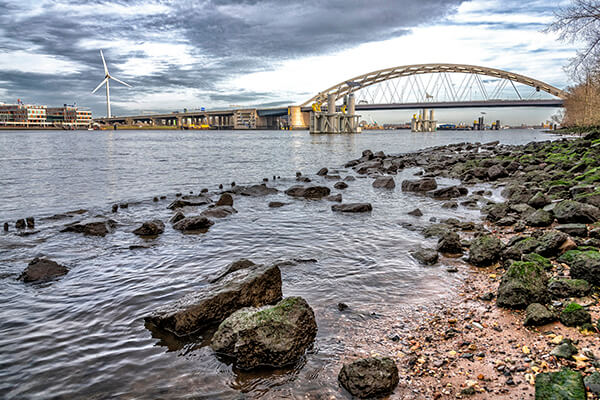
x: 121, y: 82
x: 104, y: 62
x: 101, y: 83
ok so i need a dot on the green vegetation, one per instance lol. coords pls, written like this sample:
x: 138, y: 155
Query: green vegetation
x: 536, y: 258
x: 572, y: 307
x: 563, y: 385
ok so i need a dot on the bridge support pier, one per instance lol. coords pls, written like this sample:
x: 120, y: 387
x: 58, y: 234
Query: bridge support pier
x: 422, y: 123
x: 332, y: 121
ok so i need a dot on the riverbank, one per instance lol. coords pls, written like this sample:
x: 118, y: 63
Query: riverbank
x: 534, y: 261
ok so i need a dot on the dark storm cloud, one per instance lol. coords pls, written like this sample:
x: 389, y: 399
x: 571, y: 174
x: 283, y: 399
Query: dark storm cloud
x: 226, y: 38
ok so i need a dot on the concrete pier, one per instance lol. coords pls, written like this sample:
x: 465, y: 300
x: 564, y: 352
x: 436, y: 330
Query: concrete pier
x: 332, y: 121
x: 421, y: 123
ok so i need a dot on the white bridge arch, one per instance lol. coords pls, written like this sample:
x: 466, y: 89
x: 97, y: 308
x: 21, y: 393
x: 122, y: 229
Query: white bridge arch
x: 386, y: 86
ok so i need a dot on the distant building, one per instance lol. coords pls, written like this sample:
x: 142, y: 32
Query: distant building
x: 26, y: 113
x: 66, y: 114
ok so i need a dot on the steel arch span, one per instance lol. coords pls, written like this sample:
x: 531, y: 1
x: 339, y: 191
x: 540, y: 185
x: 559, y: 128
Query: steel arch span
x: 415, y: 90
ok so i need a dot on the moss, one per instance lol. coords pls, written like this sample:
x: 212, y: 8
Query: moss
x: 560, y: 182
x: 525, y: 271
x: 536, y: 258
x: 563, y: 385
x: 591, y: 175
x: 572, y: 307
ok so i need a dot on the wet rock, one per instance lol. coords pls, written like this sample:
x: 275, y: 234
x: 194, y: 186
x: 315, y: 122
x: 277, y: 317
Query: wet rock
x: 415, y: 213
x: 522, y: 284
x: 537, y: 314
x: 352, y: 207
x: 91, y: 227
x: 332, y: 177
x: 579, y: 230
x: 563, y: 385
x: 276, y: 204
x: 420, y: 185
x: 575, y: 315
x: 219, y: 212
x: 150, y: 228
x: 369, y: 377
x: 6, y: 227
x: 495, y: 212
x: 436, y: 230
x: 496, y: 172
x: 550, y: 243
x: 225, y: 200
x: 539, y: 200
x: 323, y: 172
x: 450, y: 243
x: 340, y: 185
x: 308, y: 192
x: 334, y: 198
x: 506, y: 221
x: 565, y: 350
x: 20, y: 224
x: 304, y: 179
x: 273, y: 336
x: 255, y: 190
x: 115, y: 208
x: 42, y: 269
x: 30, y: 222
x: 562, y: 288
x: 234, y: 266
x: 586, y: 265
x: 539, y: 260
x: 450, y: 205
x: 189, y: 201
x: 447, y: 193
x: 365, y: 167
x: 254, y: 286
x: 485, y: 250
x: 540, y: 218
x: 425, y: 256
x: 177, y: 217
x: 384, y: 182
x: 342, y: 306
x: 569, y: 211
x: 191, y: 224
x: 349, y: 178
x: 124, y: 205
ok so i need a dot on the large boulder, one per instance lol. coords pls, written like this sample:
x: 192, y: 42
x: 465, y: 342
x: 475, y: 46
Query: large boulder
x: 522, y: 284
x: 273, y: 336
x: 308, y: 192
x: 385, y: 182
x: 150, y: 228
x: 192, y: 224
x: 219, y: 212
x: 569, y: 211
x: 584, y: 265
x: 248, y: 286
x: 563, y: 385
x: 420, y: 185
x: 42, y: 269
x: 352, y: 207
x: 485, y: 250
x: 91, y: 227
x: 369, y: 377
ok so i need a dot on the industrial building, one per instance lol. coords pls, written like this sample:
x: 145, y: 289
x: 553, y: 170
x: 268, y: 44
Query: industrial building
x: 21, y: 115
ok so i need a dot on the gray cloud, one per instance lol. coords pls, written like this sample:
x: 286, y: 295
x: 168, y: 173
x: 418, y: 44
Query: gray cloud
x: 226, y: 38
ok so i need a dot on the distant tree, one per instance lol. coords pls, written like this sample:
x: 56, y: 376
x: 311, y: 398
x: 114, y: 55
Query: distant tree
x: 582, y: 105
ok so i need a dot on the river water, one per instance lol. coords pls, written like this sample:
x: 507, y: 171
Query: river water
x: 83, y: 336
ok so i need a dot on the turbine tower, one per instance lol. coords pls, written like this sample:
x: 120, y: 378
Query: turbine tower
x: 107, y: 77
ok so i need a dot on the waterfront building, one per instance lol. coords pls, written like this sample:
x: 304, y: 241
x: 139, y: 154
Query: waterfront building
x: 25, y: 113
x: 31, y: 116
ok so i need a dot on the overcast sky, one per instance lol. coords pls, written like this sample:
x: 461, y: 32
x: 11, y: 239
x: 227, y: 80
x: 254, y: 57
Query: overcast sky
x: 188, y: 54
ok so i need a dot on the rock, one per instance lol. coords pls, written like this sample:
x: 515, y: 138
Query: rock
x: 323, y: 172
x: 342, y: 306
x: 485, y: 250
x: 177, y: 217
x: 384, y: 182
x: 562, y: 288
x: 436, y: 230
x: 42, y: 269
x: 495, y: 212
x: 506, y: 221
x: 579, y: 230
x: 539, y: 200
x: 550, y: 243
x: 273, y: 336
x: 450, y: 205
x: 234, y: 266
x: 592, y: 382
x: 536, y: 258
x: 369, y: 377
x: 196, y: 223
x: 6, y: 227
x: 450, y: 243
x: 150, y: 228
x: 415, y: 213
x: 425, y: 256
x: 20, y: 224
x: 308, y: 192
x: 540, y: 218
x: 536, y: 315
x: 340, y: 185
x: 575, y: 315
x: 124, y: 205
x: 91, y: 227
x: 225, y: 200
x: 115, y: 208
x: 352, y: 207
x: 254, y: 286
x: 569, y: 211
x: 364, y: 167
x: 30, y: 222
x: 496, y: 172
x: 420, y: 185
x: 189, y: 201
x: 565, y: 350
x: 255, y: 190
x: 522, y: 284
x: 276, y: 204
x: 304, y: 179
x: 368, y: 154
x: 586, y: 265
x: 349, y: 178
x: 563, y: 385
x: 219, y: 212
x: 334, y: 198
x: 446, y: 193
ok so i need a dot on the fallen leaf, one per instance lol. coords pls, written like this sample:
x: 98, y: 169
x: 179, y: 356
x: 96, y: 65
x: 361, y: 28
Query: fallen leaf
x: 526, y: 350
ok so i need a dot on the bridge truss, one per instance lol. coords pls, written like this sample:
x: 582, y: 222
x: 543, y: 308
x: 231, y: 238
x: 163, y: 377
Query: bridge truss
x: 439, y: 84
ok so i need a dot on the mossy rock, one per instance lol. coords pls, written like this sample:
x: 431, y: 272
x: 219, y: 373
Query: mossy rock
x: 563, y: 385
x: 485, y: 250
x: 550, y: 243
x: 584, y: 265
x: 536, y: 258
x: 517, y: 250
x: 522, y: 284
x: 575, y: 315
x: 563, y: 288
x: 569, y: 211
x: 540, y: 218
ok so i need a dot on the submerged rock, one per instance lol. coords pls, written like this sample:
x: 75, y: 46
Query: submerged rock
x: 42, y: 269
x: 272, y: 336
x: 196, y: 223
x: 415, y: 213
x: 370, y: 377
x: 522, y: 284
x: 225, y: 200
x: 219, y: 212
x: 336, y: 198
x: 308, y: 192
x: 253, y: 286
x: 352, y: 207
x: 150, y: 228
x: 425, y: 256
x: 563, y: 385
x: 91, y: 227
x: 189, y: 201
x: 385, y: 182
x: 340, y: 185
x: 276, y: 204
x: 255, y: 190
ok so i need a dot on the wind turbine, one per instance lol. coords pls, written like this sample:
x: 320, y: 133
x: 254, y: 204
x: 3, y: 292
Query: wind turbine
x: 107, y: 77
